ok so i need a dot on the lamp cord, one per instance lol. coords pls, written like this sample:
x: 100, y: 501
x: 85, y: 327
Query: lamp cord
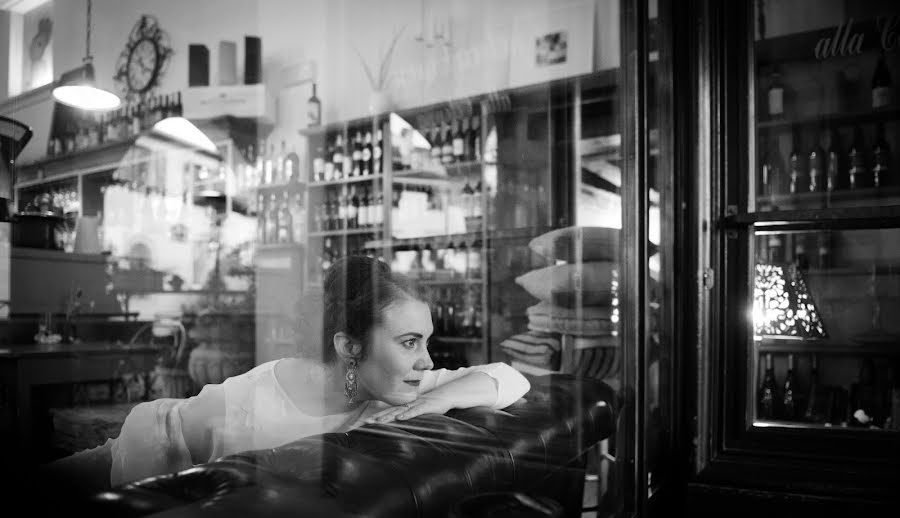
x: 87, y: 41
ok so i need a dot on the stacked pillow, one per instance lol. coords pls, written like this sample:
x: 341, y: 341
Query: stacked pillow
x: 578, y: 304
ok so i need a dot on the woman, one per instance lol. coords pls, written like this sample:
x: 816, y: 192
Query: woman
x: 376, y: 368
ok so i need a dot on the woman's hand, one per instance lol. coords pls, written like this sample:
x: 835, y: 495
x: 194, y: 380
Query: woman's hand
x: 428, y: 403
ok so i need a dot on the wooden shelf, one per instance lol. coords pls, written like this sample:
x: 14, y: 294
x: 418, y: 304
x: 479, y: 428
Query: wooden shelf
x: 493, y: 235
x: 826, y: 347
x: 885, y: 195
x: 831, y: 119
x: 345, y: 232
x: 818, y: 427
x: 279, y: 187
x: 344, y: 181
x: 800, y: 219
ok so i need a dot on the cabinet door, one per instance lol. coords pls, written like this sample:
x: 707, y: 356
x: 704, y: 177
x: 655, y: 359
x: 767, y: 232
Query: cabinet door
x: 810, y: 335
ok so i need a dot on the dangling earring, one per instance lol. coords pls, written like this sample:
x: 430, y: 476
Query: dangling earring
x: 350, y: 381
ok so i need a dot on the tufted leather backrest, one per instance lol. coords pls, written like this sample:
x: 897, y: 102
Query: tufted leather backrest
x: 416, y: 468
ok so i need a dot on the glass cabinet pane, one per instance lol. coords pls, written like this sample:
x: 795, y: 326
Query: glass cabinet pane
x: 826, y: 275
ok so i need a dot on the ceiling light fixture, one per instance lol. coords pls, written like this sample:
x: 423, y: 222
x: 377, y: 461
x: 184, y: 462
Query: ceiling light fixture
x: 76, y: 87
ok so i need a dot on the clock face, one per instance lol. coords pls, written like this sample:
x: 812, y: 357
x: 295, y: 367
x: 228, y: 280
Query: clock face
x: 143, y: 65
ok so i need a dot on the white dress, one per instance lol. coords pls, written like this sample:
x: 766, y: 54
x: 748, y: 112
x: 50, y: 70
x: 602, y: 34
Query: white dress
x: 258, y: 414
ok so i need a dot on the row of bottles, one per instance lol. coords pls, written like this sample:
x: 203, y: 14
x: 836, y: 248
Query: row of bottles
x: 349, y: 207
x: 267, y: 166
x: 281, y: 218
x: 457, y: 312
x: 869, y: 402
x: 805, y: 249
x: 58, y: 201
x: 361, y: 156
x: 778, y: 96
x: 126, y: 122
x: 814, y: 169
x: 333, y: 248
x: 452, y: 142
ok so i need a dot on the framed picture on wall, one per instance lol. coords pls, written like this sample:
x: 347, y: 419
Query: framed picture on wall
x: 552, y: 44
x: 37, y: 46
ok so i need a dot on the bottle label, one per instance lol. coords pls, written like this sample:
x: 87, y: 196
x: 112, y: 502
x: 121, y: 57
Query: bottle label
x: 881, y: 96
x: 313, y: 112
x: 776, y: 101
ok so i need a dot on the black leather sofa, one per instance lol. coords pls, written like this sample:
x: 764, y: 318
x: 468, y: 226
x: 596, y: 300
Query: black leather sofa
x: 418, y: 468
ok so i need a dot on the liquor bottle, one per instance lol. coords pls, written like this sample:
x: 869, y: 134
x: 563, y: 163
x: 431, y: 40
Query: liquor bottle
x: 798, y: 176
x: 776, y: 96
x: 815, y: 399
x: 477, y: 194
x: 816, y: 165
x: 352, y: 208
x: 328, y: 254
x: 377, y: 153
x: 135, y: 121
x: 269, y: 166
x: 272, y: 220
x: 328, y: 166
x: 801, y: 259
x: 465, y: 133
x: 280, y: 174
x: 882, y: 86
x: 788, y: 399
x: 475, y: 138
x: 285, y: 221
x: 437, y: 144
x: 298, y: 219
x: 824, y: 249
x: 258, y: 165
x: 318, y: 172
x: 364, y: 209
x: 357, y: 155
x: 319, y: 218
x: 367, y: 155
x: 459, y: 143
x: 474, y: 262
x: 881, y: 160
x: 447, y: 145
x: 343, y: 203
x: 466, y: 199
x: 377, y: 214
x: 833, y: 160
x: 767, y: 392
x: 338, y: 158
x: 772, y: 172
x: 291, y: 166
x: 858, y: 174
x: 776, y: 249
x: 260, y: 219
x: 313, y: 109
x: 865, y: 398
x: 179, y: 108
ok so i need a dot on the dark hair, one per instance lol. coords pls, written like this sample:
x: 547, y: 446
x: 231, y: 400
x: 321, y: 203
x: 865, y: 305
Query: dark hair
x: 356, y: 290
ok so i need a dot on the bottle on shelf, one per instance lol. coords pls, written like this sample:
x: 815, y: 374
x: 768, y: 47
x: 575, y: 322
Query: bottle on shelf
x: 767, y: 395
x: 272, y: 223
x: 367, y: 154
x: 477, y: 200
x: 378, y: 152
x: 816, y: 165
x: 348, y: 160
x: 285, y: 220
x: 269, y: 166
x: 318, y: 169
x: 352, y: 208
x: 881, y: 160
x: 437, y: 144
x: 357, y: 155
x: 376, y: 216
x: 475, y: 139
x: 459, y: 143
x: 261, y: 219
x: 365, y: 208
x: 833, y: 162
x: 865, y: 398
x: 313, y: 109
x: 343, y: 202
x: 474, y: 262
x: 882, y: 86
x: 823, y: 251
x: 776, y: 248
x: 328, y: 166
x: 798, y: 175
x: 447, y: 145
x: 775, y: 96
x: 788, y: 398
x: 801, y: 259
x: 815, y: 398
x: 772, y: 172
x: 858, y: 173
x: 337, y: 158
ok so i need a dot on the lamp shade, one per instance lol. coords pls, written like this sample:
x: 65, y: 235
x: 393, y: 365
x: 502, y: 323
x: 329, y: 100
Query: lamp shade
x: 76, y: 88
x: 782, y: 304
x: 186, y: 132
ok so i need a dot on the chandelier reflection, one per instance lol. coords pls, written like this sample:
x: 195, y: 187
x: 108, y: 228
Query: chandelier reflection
x: 782, y: 305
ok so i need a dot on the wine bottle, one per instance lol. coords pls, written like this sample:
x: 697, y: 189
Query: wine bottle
x: 881, y: 160
x: 378, y: 153
x: 798, y: 174
x: 767, y: 392
x: 459, y: 143
x: 318, y: 165
x: 260, y: 219
x: 858, y: 174
x: 367, y: 155
x: 272, y: 220
x: 833, y: 160
x: 352, y: 208
x: 328, y: 166
x: 815, y: 400
x: 816, y: 165
x: 268, y: 167
x: 338, y: 158
x: 313, y: 109
x: 285, y: 221
x: 476, y: 138
x: 357, y: 155
x: 801, y: 259
x: 437, y: 144
x: 824, y: 249
x: 365, y: 202
x: 343, y: 203
x: 776, y: 96
x: 377, y: 214
x: 788, y: 402
x: 882, y: 86
x: 772, y: 172
x: 447, y: 145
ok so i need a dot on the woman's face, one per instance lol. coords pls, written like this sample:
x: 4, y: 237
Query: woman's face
x: 397, y: 353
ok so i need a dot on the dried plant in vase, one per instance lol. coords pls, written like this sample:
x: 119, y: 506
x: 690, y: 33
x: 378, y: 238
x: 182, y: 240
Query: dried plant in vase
x: 379, y: 98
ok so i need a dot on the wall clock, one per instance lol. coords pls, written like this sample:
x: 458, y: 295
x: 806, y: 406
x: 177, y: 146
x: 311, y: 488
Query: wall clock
x: 144, y: 59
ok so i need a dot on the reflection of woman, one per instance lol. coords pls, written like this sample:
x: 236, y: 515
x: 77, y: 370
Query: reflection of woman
x: 376, y: 367
x: 41, y: 61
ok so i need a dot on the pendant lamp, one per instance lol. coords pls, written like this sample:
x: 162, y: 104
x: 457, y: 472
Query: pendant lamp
x: 76, y: 87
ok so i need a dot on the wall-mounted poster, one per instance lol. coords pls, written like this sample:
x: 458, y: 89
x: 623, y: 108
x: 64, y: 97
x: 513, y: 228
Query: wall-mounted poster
x: 552, y: 44
x: 37, y: 46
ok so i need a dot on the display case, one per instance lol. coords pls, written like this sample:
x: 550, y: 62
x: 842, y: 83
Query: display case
x: 805, y: 397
